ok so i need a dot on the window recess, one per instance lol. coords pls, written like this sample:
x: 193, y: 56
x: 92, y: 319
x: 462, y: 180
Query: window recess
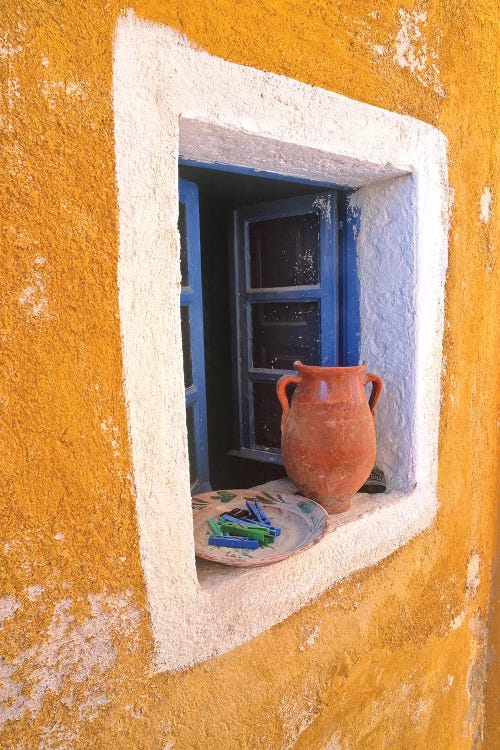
x: 279, y: 280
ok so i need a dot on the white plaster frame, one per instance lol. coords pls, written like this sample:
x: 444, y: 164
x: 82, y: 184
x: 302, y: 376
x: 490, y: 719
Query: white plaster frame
x: 171, y: 99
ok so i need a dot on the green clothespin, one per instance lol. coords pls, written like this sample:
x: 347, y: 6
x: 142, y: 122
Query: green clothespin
x: 215, y: 528
x: 233, y: 529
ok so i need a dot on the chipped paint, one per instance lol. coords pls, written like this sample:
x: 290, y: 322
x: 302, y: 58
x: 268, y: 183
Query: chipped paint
x: 52, y: 91
x: 8, y: 608
x: 56, y: 737
x: 311, y: 634
x: 34, y: 592
x: 473, y: 579
x: 72, y: 654
x: 33, y: 296
x: 113, y: 434
x: 9, y: 46
x: 411, y: 49
x: 458, y: 621
x: 486, y: 205
x: 297, y: 713
x: 335, y: 744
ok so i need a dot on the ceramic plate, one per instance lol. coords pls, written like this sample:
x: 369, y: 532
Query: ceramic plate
x: 302, y: 522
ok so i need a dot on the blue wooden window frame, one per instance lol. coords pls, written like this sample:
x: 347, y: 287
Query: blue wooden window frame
x: 192, y: 299
x: 337, y: 294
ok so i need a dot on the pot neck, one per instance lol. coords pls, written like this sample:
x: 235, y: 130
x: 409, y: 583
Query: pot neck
x: 325, y: 371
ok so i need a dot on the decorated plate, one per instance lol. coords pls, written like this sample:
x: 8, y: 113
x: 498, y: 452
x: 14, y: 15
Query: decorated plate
x: 302, y: 522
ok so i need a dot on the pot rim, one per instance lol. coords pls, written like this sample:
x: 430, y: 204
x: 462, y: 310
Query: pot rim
x: 319, y: 370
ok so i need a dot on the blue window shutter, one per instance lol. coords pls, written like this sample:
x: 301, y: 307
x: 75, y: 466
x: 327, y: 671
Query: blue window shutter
x: 192, y: 329
x: 319, y: 300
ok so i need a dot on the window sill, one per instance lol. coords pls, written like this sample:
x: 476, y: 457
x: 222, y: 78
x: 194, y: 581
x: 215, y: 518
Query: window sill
x: 373, y: 528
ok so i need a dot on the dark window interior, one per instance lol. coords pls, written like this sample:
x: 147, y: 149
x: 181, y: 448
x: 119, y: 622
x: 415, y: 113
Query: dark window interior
x: 278, y: 257
x: 279, y: 328
x: 220, y: 193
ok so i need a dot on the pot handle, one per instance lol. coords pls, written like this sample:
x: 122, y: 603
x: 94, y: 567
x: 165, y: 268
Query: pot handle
x: 281, y: 386
x: 376, y: 390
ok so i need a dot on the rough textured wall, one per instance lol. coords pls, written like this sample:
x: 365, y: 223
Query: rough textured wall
x: 392, y: 658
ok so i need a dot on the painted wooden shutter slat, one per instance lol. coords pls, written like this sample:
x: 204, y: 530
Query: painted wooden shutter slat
x: 191, y: 298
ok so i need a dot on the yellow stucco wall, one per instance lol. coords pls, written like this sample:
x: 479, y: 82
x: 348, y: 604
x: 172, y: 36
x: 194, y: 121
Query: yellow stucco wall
x: 392, y: 658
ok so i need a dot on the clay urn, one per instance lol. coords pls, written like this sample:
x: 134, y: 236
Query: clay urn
x: 328, y: 431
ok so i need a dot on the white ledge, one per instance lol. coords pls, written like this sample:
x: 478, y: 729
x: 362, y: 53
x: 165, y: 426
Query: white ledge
x: 374, y: 527
x: 171, y: 100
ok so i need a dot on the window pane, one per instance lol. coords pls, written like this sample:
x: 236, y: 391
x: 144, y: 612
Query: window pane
x: 183, y: 235
x: 267, y: 414
x: 284, y: 252
x: 193, y: 472
x: 186, y: 347
x: 285, y: 331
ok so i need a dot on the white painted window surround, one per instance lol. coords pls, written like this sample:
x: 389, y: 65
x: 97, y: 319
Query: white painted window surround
x: 171, y: 99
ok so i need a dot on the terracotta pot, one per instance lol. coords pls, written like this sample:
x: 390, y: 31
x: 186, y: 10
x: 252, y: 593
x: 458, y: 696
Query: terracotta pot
x: 328, y: 433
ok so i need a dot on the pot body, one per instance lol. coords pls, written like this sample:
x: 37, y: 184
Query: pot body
x: 328, y: 432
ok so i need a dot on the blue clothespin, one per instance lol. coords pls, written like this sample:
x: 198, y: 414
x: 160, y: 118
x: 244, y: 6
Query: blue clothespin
x: 258, y: 513
x: 242, y: 521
